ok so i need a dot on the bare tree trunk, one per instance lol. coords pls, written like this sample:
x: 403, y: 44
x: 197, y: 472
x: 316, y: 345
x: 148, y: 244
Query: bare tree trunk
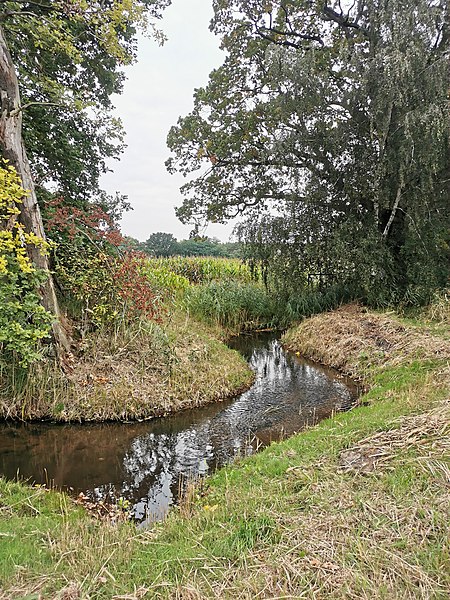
x: 394, y: 209
x: 12, y: 148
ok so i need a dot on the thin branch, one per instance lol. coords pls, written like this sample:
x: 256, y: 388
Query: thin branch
x: 395, y: 207
x: 19, y: 109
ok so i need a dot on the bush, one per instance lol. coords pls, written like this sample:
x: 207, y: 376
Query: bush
x: 23, y: 320
x: 101, y: 289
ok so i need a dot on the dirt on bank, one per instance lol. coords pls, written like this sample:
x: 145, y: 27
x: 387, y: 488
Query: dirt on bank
x: 357, y: 341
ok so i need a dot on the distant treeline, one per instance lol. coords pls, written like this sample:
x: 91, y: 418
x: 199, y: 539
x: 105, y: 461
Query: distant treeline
x: 165, y: 244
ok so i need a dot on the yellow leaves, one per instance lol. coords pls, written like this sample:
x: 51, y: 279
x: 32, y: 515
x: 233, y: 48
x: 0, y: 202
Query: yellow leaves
x: 13, y: 238
x: 12, y: 246
x: 3, y: 265
x: 117, y: 18
x: 212, y: 508
x: 11, y: 191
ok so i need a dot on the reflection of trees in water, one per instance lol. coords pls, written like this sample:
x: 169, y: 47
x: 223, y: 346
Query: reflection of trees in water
x: 156, y: 462
x: 144, y: 462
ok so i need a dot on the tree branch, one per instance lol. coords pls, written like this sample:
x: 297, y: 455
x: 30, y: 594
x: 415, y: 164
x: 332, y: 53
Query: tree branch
x: 342, y: 20
x: 19, y: 109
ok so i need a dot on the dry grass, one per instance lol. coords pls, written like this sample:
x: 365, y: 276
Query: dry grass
x: 356, y: 341
x: 141, y: 373
x: 428, y: 434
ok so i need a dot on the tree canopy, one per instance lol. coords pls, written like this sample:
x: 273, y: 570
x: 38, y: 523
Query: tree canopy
x: 334, y: 117
x: 69, y: 57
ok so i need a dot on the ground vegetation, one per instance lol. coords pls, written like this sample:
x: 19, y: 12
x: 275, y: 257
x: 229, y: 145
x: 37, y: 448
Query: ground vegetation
x: 356, y: 506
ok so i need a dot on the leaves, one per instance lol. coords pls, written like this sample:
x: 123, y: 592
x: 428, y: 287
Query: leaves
x: 69, y: 57
x: 23, y: 321
x: 329, y: 126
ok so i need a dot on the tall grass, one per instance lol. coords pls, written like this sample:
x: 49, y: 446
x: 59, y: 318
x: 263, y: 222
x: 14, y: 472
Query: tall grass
x: 233, y: 305
x: 221, y: 292
x: 310, y: 302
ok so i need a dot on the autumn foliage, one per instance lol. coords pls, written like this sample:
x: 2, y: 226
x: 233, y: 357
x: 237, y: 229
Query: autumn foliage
x: 101, y: 283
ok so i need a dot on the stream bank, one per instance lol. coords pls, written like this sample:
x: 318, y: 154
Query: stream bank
x: 143, y: 371
x: 147, y: 465
x: 356, y: 506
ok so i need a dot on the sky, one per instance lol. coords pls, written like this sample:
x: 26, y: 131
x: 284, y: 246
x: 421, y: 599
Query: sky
x: 159, y: 89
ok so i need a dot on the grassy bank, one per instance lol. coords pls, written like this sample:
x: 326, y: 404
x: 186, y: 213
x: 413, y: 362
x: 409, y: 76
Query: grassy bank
x: 146, y: 340
x: 141, y: 371
x: 356, y: 507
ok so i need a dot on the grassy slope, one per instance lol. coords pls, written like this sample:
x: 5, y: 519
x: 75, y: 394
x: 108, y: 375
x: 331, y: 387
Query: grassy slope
x: 356, y: 507
x: 146, y: 371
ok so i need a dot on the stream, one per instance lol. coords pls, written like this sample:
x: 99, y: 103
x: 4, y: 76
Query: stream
x: 147, y: 462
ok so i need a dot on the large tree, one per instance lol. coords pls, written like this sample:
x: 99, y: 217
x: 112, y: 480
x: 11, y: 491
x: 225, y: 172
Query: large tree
x: 336, y: 115
x: 60, y: 61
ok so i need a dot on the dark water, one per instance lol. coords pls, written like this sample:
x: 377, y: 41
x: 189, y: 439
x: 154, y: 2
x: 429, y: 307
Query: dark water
x: 145, y: 462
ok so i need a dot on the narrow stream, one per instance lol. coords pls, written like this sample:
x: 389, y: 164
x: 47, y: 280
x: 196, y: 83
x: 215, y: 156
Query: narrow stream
x: 145, y: 463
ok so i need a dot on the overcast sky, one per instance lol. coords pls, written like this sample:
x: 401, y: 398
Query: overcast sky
x: 159, y: 89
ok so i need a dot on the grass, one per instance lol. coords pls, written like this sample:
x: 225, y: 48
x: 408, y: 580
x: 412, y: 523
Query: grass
x: 231, y: 305
x: 144, y: 371
x: 356, y: 507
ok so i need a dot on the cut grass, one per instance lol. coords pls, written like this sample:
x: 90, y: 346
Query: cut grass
x: 356, y: 507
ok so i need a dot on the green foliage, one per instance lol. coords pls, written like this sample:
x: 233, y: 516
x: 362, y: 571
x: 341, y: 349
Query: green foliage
x: 330, y: 124
x: 69, y: 58
x: 161, y: 244
x: 204, y: 246
x: 167, y: 282
x: 231, y: 304
x: 308, y: 302
x: 104, y: 290
x: 202, y: 269
x: 86, y: 281
x: 23, y: 320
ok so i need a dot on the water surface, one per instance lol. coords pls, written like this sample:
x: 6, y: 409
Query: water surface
x: 145, y: 462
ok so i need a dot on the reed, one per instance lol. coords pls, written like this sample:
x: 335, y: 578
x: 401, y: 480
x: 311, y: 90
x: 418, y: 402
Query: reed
x: 232, y: 305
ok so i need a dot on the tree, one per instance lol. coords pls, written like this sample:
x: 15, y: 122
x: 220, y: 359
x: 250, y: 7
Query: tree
x: 60, y: 53
x: 161, y: 244
x: 336, y: 118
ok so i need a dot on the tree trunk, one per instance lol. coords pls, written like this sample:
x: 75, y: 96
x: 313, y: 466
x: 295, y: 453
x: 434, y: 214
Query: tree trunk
x: 12, y: 148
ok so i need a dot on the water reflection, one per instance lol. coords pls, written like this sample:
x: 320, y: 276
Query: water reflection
x: 145, y: 462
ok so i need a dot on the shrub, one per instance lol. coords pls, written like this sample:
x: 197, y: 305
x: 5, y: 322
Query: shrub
x: 23, y: 320
x: 101, y: 289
